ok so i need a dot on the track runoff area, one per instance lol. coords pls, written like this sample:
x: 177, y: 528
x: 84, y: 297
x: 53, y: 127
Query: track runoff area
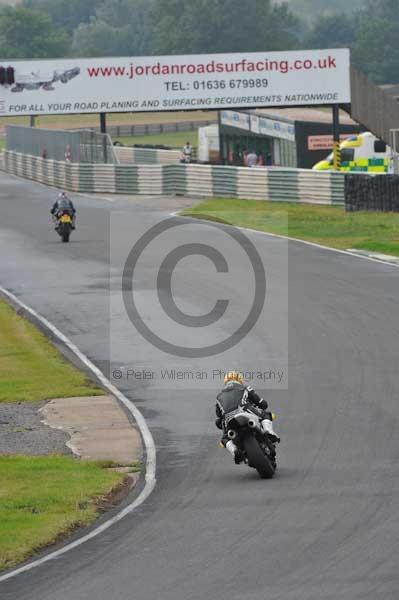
x: 173, y: 83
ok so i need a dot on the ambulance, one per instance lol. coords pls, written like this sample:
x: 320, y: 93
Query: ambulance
x: 362, y: 152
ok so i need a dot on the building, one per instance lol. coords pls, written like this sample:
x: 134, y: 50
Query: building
x: 290, y: 137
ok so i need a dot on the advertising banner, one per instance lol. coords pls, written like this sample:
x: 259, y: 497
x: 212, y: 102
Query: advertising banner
x: 258, y: 124
x: 273, y: 128
x: 236, y: 119
x: 170, y: 83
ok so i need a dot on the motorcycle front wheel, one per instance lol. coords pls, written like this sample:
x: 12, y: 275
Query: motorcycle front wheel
x: 257, y: 458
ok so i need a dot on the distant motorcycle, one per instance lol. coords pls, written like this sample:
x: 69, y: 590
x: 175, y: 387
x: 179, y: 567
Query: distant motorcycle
x: 244, y: 428
x: 64, y: 224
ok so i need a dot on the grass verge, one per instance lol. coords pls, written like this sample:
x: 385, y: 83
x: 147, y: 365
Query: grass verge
x: 45, y: 498
x: 326, y: 225
x: 174, y: 139
x: 72, y: 121
x: 31, y: 369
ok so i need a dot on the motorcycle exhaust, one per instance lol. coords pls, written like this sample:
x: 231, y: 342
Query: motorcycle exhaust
x: 231, y: 434
x: 254, y: 425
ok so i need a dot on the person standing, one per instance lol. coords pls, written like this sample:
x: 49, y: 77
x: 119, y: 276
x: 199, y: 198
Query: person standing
x: 252, y: 159
x: 68, y: 154
x: 187, y: 153
x: 269, y: 160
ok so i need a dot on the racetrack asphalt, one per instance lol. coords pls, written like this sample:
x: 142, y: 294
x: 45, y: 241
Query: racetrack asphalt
x: 327, y: 526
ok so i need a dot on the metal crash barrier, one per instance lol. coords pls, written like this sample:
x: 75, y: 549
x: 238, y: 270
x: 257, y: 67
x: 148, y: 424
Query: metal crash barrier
x: 274, y: 183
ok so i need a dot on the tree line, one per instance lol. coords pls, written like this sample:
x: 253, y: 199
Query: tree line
x: 59, y: 28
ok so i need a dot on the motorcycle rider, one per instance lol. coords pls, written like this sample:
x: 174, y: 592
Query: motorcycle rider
x: 64, y: 203
x: 234, y: 394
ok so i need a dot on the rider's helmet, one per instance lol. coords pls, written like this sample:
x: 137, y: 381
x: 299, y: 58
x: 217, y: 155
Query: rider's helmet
x: 233, y: 376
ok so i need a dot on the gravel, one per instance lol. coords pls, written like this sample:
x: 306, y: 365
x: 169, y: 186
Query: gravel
x: 21, y: 431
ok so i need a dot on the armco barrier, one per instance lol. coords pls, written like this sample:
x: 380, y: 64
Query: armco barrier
x: 279, y: 184
x: 146, y: 156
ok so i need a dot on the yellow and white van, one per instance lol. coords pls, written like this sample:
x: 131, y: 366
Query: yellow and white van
x: 363, y: 152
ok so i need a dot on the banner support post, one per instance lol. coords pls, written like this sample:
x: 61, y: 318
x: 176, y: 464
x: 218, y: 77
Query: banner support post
x: 103, y: 129
x: 336, y: 140
x: 221, y: 149
x: 103, y: 122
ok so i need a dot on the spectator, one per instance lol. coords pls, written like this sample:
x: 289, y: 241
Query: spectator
x: 269, y: 160
x: 44, y: 153
x: 68, y: 154
x: 252, y: 159
x: 187, y: 153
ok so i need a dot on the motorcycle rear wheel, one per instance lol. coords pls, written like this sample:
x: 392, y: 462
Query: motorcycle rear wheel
x: 64, y: 231
x: 257, y: 458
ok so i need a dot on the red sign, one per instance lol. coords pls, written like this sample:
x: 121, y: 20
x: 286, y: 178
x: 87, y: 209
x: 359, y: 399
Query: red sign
x: 325, y: 142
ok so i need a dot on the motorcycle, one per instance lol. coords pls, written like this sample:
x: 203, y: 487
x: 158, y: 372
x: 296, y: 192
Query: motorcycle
x: 64, y: 225
x: 245, y: 429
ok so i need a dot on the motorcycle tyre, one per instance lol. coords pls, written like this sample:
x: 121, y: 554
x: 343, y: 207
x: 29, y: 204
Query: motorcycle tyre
x: 257, y: 458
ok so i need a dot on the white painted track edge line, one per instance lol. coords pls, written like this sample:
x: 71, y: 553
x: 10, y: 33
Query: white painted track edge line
x: 150, y: 473
x: 290, y: 239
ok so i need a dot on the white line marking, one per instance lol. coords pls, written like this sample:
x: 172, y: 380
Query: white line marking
x: 150, y: 479
x: 291, y: 239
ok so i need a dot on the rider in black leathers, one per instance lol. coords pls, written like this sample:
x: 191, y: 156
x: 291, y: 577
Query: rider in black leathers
x: 235, y: 394
x: 63, y: 202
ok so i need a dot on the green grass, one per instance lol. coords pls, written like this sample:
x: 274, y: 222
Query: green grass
x: 326, y: 225
x: 43, y: 498
x: 174, y: 139
x: 31, y: 369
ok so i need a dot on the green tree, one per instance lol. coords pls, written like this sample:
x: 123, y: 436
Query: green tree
x: 67, y: 14
x: 376, y: 48
x: 195, y: 26
x: 311, y: 10
x: 120, y: 27
x: 383, y: 9
x: 376, y: 51
x: 26, y: 33
x: 333, y: 31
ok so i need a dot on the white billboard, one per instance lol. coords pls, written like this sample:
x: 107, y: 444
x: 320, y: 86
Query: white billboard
x: 191, y: 82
